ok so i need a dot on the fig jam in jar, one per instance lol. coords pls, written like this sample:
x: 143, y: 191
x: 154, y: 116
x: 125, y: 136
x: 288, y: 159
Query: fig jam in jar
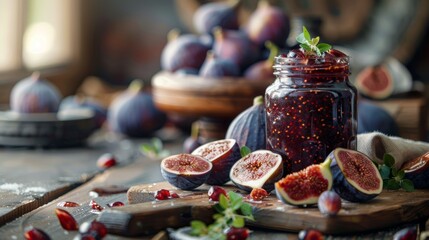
x: 310, y: 108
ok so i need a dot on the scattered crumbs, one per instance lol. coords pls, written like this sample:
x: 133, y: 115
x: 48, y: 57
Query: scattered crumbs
x: 171, y: 203
x: 280, y: 208
x: 14, y: 187
x: 35, y: 189
x: 14, y: 237
x: 66, y: 232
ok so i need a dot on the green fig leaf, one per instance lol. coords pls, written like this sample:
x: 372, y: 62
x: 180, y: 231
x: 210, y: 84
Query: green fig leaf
x: 407, y: 185
x: 388, y: 160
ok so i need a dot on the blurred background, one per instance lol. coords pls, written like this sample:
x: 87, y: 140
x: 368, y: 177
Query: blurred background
x: 99, y: 46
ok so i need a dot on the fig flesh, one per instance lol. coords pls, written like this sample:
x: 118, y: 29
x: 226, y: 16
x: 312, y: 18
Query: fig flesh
x: 259, y: 169
x: 356, y: 177
x: 375, y: 82
x: 222, y: 154
x: 417, y: 170
x: 305, y: 187
x: 185, y: 171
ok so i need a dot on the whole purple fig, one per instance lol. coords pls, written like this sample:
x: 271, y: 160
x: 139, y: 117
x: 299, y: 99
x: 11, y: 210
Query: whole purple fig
x: 216, y: 14
x: 81, y: 102
x: 34, y: 95
x: 235, y: 46
x: 214, y: 67
x: 134, y: 114
x: 184, y: 51
x: 268, y: 23
x: 263, y: 69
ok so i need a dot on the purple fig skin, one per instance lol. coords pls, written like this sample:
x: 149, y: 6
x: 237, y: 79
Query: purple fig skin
x: 341, y: 183
x: 409, y: 233
x: 76, y: 102
x: 190, y: 178
x: 190, y: 144
x: 34, y: 95
x: 217, y: 68
x: 186, y: 51
x: 259, y: 71
x: 235, y: 46
x: 329, y: 203
x: 222, y: 154
x: 268, y: 23
x: 417, y: 171
x: 133, y: 113
x: 217, y: 14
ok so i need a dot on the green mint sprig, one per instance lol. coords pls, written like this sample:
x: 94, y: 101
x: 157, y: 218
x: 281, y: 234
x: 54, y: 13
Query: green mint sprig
x: 231, y: 211
x: 311, y: 45
x: 244, y: 151
x: 393, y: 178
x: 154, y: 149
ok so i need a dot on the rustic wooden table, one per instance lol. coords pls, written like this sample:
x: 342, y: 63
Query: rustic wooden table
x: 34, y: 181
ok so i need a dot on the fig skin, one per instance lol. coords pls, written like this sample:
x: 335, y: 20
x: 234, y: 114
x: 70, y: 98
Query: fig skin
x: 268, y: 23
x: 417, y: 171
x: 235, y: 46
x: 34, y: 95
x: 329, y: 203
x: 254, y: 163
x: 216, y: 14
x: 263, y: 69
x: 180, y: 170
x: 214, y: 67
x: 300, y: 181
x: 134, y: 114
x: 184, y: 51
x: 222, y: 154
x: 81, y: 102
x: 347, y: 188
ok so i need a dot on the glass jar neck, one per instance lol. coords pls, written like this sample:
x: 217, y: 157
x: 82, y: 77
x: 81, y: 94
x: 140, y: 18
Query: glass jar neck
x: 311, y: 70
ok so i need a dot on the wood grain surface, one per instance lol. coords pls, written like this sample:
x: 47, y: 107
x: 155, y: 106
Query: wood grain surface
x: 388, y: 209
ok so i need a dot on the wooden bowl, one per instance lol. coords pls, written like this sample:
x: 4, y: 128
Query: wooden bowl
x: 191, y: 95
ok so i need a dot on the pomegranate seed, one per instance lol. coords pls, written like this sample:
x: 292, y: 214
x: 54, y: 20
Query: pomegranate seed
x: 237, y: 233
x: 33, y: 233
x: 258, y: 194
x: 310, y: 234
x: 93, y: 228
x: 94, y: 205
x: 162, y: 194
x: 214, y: 193
x: 68, y: 204
x: 106, y: 160
x: 116, y: 204
x: 67, y: 221
x: 175, y: 195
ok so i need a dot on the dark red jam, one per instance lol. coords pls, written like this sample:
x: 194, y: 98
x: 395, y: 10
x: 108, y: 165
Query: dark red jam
x: 311, y: 109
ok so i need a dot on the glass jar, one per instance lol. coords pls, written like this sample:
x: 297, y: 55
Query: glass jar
x: 310, y: 110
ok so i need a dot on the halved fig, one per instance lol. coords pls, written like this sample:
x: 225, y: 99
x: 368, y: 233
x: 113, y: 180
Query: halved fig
x: 305, y: 187
x: 185, y: 171
x: 259, y: 169
x: 417, y: 170
x: 356, y: 178
x: 375, y: 82
x: 222, y: 154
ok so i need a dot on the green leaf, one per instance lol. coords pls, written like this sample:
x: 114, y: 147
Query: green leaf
x: 394, y: 172
x: 199, y: 228
x: 400, y: 174
x: 306, y: 34
x: 218, y: 208
x: 305, y: 47
x: 392, y: 184
x: 244, y: 151
x: 238, y: 222
x: 246, y: 209
x: 315, y: 41
x: 388, y: 160
x: 217, y: 216
x: 385, y: 172
x: 223, y: 201
x: 301, y: 39
x: 407, y: 185
x: 324, y: 47
x: 233, y: 196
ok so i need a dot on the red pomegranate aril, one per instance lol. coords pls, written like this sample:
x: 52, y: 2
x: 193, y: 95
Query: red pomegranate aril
x: 116, y: 204
x: 33, y: 233
x: 310, y: 234
x: 67, y: 221
x: 237, y: 233
x: 106, y: 160
x: 68, y: 204
x: 94, y: 205
x: 174, y: 195
x: 215, y: 192
x: 258, y: 194
x: 162, y: 194
x: 93, y: 228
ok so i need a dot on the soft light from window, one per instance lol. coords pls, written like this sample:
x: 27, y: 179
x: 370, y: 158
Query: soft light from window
x: 9, y: 34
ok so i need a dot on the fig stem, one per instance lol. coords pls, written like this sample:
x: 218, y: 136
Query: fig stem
x: 35, y: 75
x: 326, y: 163
x: 274, y: 51
x: 195, y: 130
x: 218, y: 33
x: 173, y: 34
x: 136, y: 86
x: 258, y: 100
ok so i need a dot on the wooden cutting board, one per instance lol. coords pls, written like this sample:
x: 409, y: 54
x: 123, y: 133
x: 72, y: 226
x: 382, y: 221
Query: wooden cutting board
x: 389, y: 209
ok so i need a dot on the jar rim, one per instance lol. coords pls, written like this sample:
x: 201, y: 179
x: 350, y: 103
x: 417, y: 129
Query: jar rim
x: 311, y: 64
